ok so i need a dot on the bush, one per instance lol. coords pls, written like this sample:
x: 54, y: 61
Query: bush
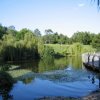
x: 48, y: 52
x: 6, y: 82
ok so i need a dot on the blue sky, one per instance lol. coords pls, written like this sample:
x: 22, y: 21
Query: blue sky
x: 62, y: 16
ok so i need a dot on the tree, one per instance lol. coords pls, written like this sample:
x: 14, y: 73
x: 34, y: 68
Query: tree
x: 48, y: 31
x: 82, y: 37
x: 22, y: 46
x: 40, y: 47
x: 6, y: 84
x: 3, y: 30
x: 37, y: 32
x: 96, y: 42
x: 48, y: 52
x: 86, y: 38
x: 8, y: 47
x: 11, y: 27
x: 48, y: 36
x: 22, y: 32
x: 62, y: 39
x: 11, y: 30
x: 75, y: 49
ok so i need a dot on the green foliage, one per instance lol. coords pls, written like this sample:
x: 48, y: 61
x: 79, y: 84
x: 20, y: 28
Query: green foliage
x: 25, y: 48
x: 48, y: 52
x: 96, y: 42
x: 11, y: 30
x: 2, y: 31
x: 40, y: 47
x: 82, y: 37
x: 48, y: 31
x: 22, y: 32
x: 6, y: 83
x: 5, y: 67
x: 50, y: 64
x: 78, y: 48
x: 88, y: 48
x: 5, y: 79
x: 37, y: 32
x: 59, y: 48
x: 74, y: 49
x: 26, y: 44
x: 54, y: 38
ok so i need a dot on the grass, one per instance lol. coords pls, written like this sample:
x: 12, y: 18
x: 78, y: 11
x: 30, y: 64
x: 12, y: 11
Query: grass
x: 58, y: 48
x: 88, y: 48
x: 64, y: 49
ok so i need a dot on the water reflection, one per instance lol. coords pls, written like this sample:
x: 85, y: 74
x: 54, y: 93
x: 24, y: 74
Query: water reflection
x: 75, y: 61
x: 97, y: 76
x: 27, y: 78
x: 48, y: 64
x: 69, y: 83
x: 52, y: 77
x: 52, y: 64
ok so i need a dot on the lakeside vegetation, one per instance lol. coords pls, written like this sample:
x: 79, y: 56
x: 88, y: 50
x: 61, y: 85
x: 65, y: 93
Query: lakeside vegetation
x: 35, y: 69
x: 27, y: 44
x: 72, y: 49
x: 6, y: 84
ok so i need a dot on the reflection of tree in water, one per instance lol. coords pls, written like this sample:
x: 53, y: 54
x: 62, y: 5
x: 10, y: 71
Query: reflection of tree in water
x: 6, y: 84
x: 33, y: 66
x: 93, y: 80
x: 96, y: 76
x: 46, y: 64
x: 75, y: 61
x: 27, y: 79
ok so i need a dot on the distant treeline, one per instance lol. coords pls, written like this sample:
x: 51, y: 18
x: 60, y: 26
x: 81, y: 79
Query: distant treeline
x: 27, y: 44
x: 85, y: 38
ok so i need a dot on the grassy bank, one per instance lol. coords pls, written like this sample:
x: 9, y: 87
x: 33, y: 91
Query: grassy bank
x: 73, y: 49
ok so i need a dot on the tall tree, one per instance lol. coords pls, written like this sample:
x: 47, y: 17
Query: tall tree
x: 37, y: 32
x: 48, y: 31
x: 11, y: 27
x: 82, y: 37
x: 22, y: 32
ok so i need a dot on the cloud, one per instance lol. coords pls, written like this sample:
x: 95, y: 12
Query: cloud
x: 81, y: 5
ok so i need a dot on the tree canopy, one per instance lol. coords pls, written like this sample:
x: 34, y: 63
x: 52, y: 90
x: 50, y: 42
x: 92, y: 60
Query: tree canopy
x: 27, y: 44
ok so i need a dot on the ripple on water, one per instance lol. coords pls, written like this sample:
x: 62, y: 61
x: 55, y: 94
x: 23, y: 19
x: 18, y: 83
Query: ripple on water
x: 68, y: 83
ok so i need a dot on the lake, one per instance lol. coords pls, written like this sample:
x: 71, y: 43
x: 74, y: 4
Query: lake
x: 51, y: 77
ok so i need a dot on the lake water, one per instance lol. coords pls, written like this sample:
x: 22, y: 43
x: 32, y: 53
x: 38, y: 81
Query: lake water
x: 51, y: 77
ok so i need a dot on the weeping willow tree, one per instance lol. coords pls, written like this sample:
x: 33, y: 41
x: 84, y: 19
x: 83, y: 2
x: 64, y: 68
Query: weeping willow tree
x: 20, y: 47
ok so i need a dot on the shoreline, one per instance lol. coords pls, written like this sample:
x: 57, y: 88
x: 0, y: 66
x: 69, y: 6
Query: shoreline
x: 59, y: 98
x: 92, y: 96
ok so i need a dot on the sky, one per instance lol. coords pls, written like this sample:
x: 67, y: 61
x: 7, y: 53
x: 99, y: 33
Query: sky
x: 62, y: 16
